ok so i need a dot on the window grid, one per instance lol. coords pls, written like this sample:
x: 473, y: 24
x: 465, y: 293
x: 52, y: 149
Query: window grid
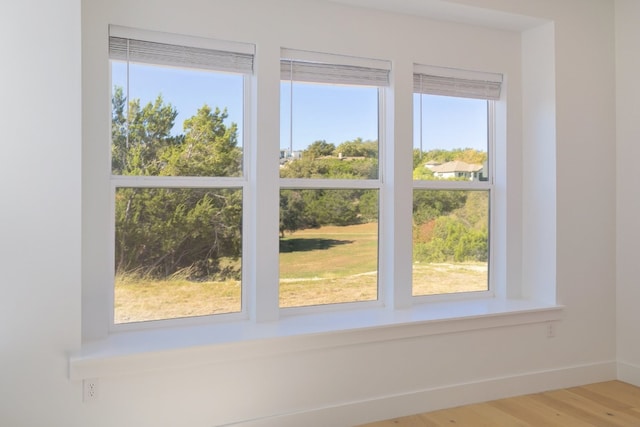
x: 243, y: 182
x: 186, y: 58
x: 296, y: 71
x: 463, y: 185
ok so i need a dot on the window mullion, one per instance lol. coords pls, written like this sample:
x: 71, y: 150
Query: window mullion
x: 395, y: 207
x: 262, y: 266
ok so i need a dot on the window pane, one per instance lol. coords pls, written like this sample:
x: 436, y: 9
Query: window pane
x: 328, y: 246
x: 177, y: 253
x: 175, y: 122
x: 450, y: 241
x: 328, y: 131
x: 450, y: 138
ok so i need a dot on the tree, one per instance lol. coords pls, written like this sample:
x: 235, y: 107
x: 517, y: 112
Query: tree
x: 358, y: 148
x: 369, y: 206
x: 431, y: 204
x: 140, y: 134
x: 333, y: 207
x: 209, y: 147
x: 162, y: 231
x: 293, y: 212
x: 451, y: 227
x: 320, y: 148
x: 423, y: 173
x: 467, y: 155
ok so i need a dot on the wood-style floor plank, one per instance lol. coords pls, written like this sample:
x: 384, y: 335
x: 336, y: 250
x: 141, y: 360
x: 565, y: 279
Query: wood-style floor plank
x: 534, y: 413
x: 606, y: 404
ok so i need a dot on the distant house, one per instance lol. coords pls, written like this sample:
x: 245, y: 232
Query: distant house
x: 456, y: 169
x: 287, y: 155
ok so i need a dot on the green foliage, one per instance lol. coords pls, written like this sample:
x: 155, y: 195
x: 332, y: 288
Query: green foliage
x: 423, y: 173
x: 320, y: 149
x: 453, y: 241
x: 300, y: 209
x: 209, y: 147
x: 162, y: 231
x: 293, y: 212
x: 467, y: 155
x: 417, y: 158
x: 140, y: 134
x: 330, y: 167
x: 196, y: 232
x: 333, y: 207
x: 430, y: 204
x: 358, y: 148
x: 450, y: 227
x: 369, y: 206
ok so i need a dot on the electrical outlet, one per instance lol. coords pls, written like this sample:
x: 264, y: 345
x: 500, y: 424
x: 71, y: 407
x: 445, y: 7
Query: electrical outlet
x: 551, y: 329
x: 90, y: 390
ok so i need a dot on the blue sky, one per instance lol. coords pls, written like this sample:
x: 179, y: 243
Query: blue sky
x: 321, y: 112
x: 186, y: 90
x: 449, y: 122
x: 334, y: 114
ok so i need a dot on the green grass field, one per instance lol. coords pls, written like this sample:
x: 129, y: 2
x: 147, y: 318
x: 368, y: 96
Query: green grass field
x: 317, y: 266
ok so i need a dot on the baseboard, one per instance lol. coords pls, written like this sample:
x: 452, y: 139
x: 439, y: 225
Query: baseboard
x: 629, y: 373
x: 392, y: 406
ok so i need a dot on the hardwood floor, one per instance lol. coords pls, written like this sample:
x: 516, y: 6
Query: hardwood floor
x: 607, y: 404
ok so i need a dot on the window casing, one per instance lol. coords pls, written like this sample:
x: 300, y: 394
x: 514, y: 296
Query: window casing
x: 328, y: 65
x: 334, y: 182
x: 453, y: 181
x: 177, y: 196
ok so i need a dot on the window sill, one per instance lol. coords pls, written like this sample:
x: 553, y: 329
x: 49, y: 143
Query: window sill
x: 151, y: 350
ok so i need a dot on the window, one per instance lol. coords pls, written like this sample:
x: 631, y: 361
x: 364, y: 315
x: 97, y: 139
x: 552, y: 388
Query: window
x: 452, y: 180
x: 330, y: 178
x: 188, y: 183
x: 177, y: 174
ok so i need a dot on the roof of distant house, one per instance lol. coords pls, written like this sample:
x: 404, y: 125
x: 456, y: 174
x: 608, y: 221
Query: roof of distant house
x: 456, y: 166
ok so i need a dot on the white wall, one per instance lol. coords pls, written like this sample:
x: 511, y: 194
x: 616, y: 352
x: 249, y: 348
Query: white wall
x: 40, y: 210
x: 628, y: 151
x: 41, y: 306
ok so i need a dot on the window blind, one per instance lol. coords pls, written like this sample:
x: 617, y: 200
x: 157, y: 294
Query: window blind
x: 453, y: 82
x: 176, y: 55
x: 312, y: 67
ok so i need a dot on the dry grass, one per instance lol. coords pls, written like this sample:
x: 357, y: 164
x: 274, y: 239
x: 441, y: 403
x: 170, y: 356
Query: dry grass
x: 320, y: 266
x: 137, y: 301
x: 331, y: 265
x: 444, y: 278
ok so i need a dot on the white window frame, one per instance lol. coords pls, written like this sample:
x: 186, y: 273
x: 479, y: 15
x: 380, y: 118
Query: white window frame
x: 266, y: 331
x: 433, y: 80
x: 316, y: 67
x: 238, y: 55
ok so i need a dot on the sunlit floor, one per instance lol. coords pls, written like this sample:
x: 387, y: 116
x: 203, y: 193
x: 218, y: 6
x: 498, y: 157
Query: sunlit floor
x: 612, y: 403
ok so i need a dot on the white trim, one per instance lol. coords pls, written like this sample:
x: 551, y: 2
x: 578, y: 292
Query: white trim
x: 453, y: 296
x: 326, y: 308
x: 167, y: 348
x: 489, y: 186
x: 146, y: 181
x: 182, y: 40
x: 443, y: 184
x: 629, y: 372
x: 177, y: 322
x: 327, y: 183
x: 241, y: 183
x: 435, y: 398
